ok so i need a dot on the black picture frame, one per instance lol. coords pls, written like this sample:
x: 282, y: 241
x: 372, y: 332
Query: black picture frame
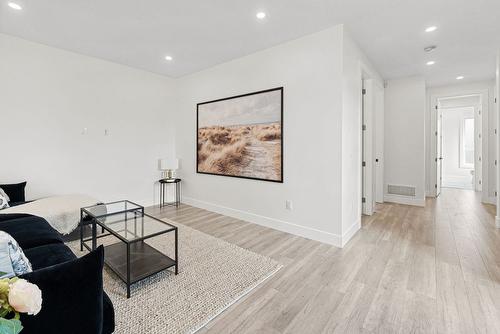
x: 281, y: 89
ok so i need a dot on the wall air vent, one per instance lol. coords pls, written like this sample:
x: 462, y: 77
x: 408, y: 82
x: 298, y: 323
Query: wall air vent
x: 401, y: 190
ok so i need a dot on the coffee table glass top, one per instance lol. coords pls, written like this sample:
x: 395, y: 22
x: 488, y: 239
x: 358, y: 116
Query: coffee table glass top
x: 134, y: 226
x: 106, y: 209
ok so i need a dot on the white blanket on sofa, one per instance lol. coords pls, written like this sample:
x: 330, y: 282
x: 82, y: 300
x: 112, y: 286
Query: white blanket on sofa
x: 61, y: 212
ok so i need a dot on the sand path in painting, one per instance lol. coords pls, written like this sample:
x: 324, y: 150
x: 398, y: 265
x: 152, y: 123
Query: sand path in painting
x: 260, y: 155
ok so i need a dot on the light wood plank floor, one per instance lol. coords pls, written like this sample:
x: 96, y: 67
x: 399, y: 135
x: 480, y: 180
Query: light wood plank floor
x: 409, y: 270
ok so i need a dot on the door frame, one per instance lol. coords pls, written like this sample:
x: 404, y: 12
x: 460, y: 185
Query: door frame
x: 484, y: 95
x: 367, y: 170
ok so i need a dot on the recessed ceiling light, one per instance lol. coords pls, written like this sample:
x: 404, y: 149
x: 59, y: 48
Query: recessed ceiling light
x: 460, y: 77
x: 261, y: 15
x: 15, y: 6
x: 169, y: 58
x: 432, y: 62
x: 431, y: 29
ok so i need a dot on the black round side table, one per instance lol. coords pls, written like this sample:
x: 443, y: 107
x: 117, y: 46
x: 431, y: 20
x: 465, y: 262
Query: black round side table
x: 163, y: 192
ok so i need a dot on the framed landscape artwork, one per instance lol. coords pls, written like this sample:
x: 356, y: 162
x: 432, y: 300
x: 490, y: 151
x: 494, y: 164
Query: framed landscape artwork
x: 242, y: 136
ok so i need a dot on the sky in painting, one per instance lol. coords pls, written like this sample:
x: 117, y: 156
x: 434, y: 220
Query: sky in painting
x: 251, y: 109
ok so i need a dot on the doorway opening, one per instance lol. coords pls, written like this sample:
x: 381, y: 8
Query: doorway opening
x: 372, y: 144
x: 459, y: 144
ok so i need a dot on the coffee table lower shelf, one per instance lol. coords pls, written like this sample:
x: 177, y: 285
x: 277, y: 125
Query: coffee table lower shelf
x: 145, y: 261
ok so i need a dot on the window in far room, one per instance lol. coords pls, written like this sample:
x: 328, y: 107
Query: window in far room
x: 467, y: 143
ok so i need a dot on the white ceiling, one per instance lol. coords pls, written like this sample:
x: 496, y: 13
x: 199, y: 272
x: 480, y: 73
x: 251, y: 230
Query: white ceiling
x: 200, y: 34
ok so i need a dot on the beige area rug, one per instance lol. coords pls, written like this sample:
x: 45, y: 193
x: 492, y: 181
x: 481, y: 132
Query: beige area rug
x: 213, y: 274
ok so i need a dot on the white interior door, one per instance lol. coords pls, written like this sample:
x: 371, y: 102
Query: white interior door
x: 378, y: 126
x: 439, y: 151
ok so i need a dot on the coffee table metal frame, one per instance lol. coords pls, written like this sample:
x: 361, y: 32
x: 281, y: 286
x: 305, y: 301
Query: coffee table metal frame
x: 138, y: 211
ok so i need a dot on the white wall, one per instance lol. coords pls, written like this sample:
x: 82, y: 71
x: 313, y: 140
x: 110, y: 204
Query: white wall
x: 316, y: 85
x: 488, y: 127
x: 48, y: 96
x: 310, y: 71
x: 459, y: 102
x: 404, y: 151
x: 453, y: 174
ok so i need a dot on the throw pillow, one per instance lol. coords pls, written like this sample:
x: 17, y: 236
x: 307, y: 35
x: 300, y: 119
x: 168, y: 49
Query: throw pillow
x: 6, y: 270
x: 72, y: 294
x: 20, y: 262
x: 15, y: 191
x: 4, y: 194
x: 4, y: 201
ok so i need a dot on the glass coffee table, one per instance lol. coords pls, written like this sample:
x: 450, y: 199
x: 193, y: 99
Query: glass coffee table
x: 131, y: 258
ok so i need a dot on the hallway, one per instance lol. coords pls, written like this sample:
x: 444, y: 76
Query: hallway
x: 442, y: 271
x: 408, y: 270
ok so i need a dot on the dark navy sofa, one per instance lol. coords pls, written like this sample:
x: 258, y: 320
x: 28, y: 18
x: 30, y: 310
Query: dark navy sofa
x: 73, y: 299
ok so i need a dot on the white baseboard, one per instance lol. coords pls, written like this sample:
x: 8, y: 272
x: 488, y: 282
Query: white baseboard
x: 350, y: 232
x: 146, y: 202
x: 404, y: 200
x: 490, y: 200
x: 306, y: 232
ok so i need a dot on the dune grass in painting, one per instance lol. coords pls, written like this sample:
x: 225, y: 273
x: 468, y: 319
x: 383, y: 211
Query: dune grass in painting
x: 250, y: 150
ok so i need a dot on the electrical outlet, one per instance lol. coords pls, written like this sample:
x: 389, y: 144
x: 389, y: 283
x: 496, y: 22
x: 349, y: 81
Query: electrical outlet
x: 85, y: 131
x: 288, y: 205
